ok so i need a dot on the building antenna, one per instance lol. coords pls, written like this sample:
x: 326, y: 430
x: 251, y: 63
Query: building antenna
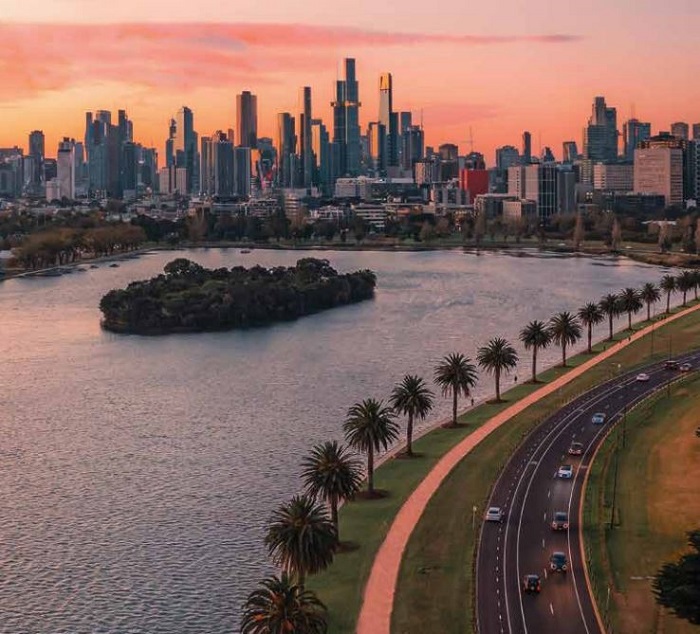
x: 471, y: 140
x: 421, y: 118
x: 539, y: 141
x: 632, y: 109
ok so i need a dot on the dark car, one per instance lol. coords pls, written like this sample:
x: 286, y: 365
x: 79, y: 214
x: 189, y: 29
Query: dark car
x: 558, y: 562
x: 671, y: 364
x: 576, y: 449
x: 531, y: 583
x: 560, y: 521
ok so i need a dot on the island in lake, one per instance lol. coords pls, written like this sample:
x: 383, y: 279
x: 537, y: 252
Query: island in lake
x: 191, y: 298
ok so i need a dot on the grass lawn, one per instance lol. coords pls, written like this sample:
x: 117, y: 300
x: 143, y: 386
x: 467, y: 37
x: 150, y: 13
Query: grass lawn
x: 366, y: 522
x: 657, y: 503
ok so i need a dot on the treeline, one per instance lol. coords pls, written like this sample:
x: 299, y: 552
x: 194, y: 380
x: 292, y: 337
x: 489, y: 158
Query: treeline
x: 58, y: 246
x: 190, y: 298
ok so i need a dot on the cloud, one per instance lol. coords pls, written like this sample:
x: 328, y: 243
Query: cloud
x: 35, y: 58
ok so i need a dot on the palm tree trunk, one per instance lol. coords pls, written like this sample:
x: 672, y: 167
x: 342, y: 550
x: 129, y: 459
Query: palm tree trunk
x: 629, y: 320
x: 610, y: 316
x: 685, y: 293
x: 534, y: 364
x: 497, y: 374
x: 563, y: 354
x: 454, y: 406
x: 648, y: 311
x: 590, y: 336
x: 409, y: 435
x: 370, y: 470
x: 668, y: 302
x: 334, y: 517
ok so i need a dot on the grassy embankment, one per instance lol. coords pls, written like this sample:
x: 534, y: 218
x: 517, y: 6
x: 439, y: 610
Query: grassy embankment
x: 656, y: 503
x: 366, y: 523
x: 435, y: 590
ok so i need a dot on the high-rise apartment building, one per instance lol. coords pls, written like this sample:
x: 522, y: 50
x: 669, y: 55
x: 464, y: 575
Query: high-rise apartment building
x: 65, y: 164
x: 633, y: 133
x: 222, y: 165
x: 696, y: 131
x: 526, y: 156
x: 666, y: 140
x: 185, y: 147
x: 247, y: 120
x: 306, y: 155
x: 680, y: 130
x: 600, y: 136
x: 378, y: 146
x: 616, y: 177
x: 346, y: 121
x: 389, y: 119
x: 286, y: 141
x: 242, y: 171
x: 549, y: 186
x: 320, y: 143
x: 569, y: 151
x: 507, y: 156
x: 413, y: 147
x: 37, y: 152
x: 659, y: 170
x: 170, y: 144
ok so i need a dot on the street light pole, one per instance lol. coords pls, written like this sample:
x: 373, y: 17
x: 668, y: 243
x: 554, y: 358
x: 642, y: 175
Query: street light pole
x: 614, y: 495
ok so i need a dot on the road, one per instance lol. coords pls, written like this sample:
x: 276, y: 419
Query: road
x: 530, y: 492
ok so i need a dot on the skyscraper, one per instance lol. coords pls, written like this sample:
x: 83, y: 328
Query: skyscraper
x: 681, y: 130
x: 242, y: 171
x: 185, y: 149
x: 570, y: 151
x: 633, y: 132
x: 507, y: 156
x: 526, y: 156
x: 659, y: 170
x: 222, y: 165
x: 320, y: 143
x: 389, y: 119
x: 37, y: 152
x: 286, y: 142
x: 66, y: 169
x: 600, y: 136
x: 247, y: 120
x: 346, y: 121
x: 170, y: 144
x: 378, y: 146
x: 696, y: 131
x: 305, y: 149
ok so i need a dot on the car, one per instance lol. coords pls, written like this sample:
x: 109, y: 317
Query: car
x: 685, y: 367
x: 599, y: 418
x: 494, y: 514
x: 558, y: 562
x: 565, y: 471
x: 560, y: 521
x: 531, y: 583
x: 642, y: 377
x: 575, y: 448
x: 671, y: 364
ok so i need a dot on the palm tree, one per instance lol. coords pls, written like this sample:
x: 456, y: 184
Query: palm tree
x: 413, y: 398
x: 565, y: 330
x: 301, y: 538
x: 280, y: 606
x: 695, y: 275
x: 331, y: 474
x: 610, y: 305
x: 684, y: 282
x: 455, y: 374
x: 536, y: 336
x: 630, y: 302
x: 369, y: 427
x: 668, y: 286
x: 650, y: 294
x: 497, y: 355
x: 590, y: 315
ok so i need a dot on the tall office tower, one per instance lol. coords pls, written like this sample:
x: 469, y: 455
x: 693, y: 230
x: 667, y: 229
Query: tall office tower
x: 507, y: 156
x: 680, y: 130
x: 247, y: 120
x: 404, y: 121
x: 170, y: 144
x: 526, y: 156
x: 130, y: 156
x: 149, y: 168
x: 541, y: 187
x: 65, y: 163
x: 37, y: 152
x: 633, y: 133
x: 547, y: 155
x: 320, y: 143
x: 206, y: 169
x: 242, y: 171
x: 99, y: 135
x: 413, y: 149
x: 378, y: 146
x: 88, y: 132
x: 286, y: 142
x: 569, y: 151
x: 223, y: 172
x: 659, y: 170
x: 346, y: 121
x: 694, y: 168
x: 600, y: 136
x: 185, y: 147
x: 448, y: 152
x: 666, y: 140
x: 696, y: 131
x: 81, y: 182
x: 389, y: 119
x: 306, y: 156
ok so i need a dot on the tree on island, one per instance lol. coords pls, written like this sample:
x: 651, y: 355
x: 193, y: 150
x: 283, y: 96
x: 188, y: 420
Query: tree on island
x: 495, y: 357
x: 456, y: 375
x: 590, y: 315
x: 414, y: 399
x: 650, y: 294
x: 280, y: 606
x: 301, y: 538
x: 535, y: 336
x: 332, y: 474
x: 369, y: 428
x: 565, y: 330
x: 610, y: 305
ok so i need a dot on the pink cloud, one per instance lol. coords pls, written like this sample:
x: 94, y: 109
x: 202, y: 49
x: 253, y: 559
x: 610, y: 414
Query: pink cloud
x: 35, y: 58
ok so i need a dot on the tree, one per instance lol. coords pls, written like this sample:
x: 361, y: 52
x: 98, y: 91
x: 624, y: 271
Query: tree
x: 427, y: 232
x: 610, y: 305
x: 413, y: 398
x: 668, y: 286
x: 455, y: 374
x: 331, y: 474
x: 650, y: 294
x: 279, y: 606
x: 590, y: 315
x: 301, y: 538
x: 684, y: 282
x: 663, y: 241
x: 370, y: 427
x: 495, y: 357
x: 479, y: 227
x: 616, y: 235
x: 536, y: 336
x: 697, y: 236
x: 630, y: 302
x: 677, y: 584
x: 579, y: 231
x: 565, y: 330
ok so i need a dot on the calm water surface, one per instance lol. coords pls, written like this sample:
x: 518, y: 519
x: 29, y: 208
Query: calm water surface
x: 137, y: 474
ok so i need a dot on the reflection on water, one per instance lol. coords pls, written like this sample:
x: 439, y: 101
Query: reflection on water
x: 137, y: 474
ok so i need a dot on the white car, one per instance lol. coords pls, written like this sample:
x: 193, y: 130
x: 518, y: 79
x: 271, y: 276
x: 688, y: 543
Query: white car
x: 494, y: 514
x: 565, y: 471
x: 642, y: 377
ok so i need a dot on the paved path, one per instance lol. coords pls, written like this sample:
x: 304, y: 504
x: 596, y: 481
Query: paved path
x: 378, y: 600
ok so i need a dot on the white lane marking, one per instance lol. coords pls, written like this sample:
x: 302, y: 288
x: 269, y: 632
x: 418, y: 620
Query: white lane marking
x: 551, y: 609
x: 543, y: 542
x: 549, y: 493
x: 545, y: 573
x: 545, y: 517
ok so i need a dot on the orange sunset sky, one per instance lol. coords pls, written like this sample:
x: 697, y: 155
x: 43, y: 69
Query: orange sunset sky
x: 496, y: 67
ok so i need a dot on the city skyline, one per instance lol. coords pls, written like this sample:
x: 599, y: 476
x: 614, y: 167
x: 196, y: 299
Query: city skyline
x: 459, y: 72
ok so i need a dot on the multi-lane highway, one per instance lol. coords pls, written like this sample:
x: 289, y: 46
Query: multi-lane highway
x: 530, y: 492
